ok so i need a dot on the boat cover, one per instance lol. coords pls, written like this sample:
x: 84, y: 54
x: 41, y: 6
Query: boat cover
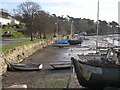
x: 62, y: 42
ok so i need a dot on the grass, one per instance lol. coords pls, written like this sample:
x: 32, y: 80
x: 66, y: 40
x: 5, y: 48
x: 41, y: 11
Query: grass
x: 0, y: 31
x: 11, y: 46
x: 13, y: 31
x: 19, y: 35
x: 16, y: 35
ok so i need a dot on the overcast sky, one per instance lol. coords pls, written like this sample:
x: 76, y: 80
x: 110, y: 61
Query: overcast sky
x: 75, y: 8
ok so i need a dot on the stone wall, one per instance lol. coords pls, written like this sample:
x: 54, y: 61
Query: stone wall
x: 19, y: 53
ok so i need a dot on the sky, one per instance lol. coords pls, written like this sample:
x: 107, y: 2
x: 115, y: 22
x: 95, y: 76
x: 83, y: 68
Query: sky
x: 108, y: 9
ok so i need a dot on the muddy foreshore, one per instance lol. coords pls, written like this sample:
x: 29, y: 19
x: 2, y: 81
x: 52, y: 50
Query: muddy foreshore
x: 47, y: 77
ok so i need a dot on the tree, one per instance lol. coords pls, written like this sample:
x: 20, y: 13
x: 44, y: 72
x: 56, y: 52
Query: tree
x: 4, y: 13
x: 114, y: 25
x: 27, y: 11
x: 103, y: 27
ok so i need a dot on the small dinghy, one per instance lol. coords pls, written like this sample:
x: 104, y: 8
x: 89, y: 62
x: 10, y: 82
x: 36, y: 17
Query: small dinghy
x: 61, y: 43
x: 23, y: 86
x: 25, y: 67
x: 75, y: 42
x: 62, y: 65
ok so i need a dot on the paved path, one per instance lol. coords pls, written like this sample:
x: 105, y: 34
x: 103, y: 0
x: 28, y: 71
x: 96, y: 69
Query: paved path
x: 10, y: 41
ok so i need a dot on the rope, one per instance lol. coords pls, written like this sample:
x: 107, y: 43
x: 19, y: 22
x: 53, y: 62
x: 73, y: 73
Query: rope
x: 8, y: 63
x: 69, y: 77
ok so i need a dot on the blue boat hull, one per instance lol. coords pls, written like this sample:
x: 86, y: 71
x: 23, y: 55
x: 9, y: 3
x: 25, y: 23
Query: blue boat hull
x: 62, y: 42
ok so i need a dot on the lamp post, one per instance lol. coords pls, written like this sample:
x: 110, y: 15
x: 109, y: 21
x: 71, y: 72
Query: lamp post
x: 56, y: 27
x: 71, y: 29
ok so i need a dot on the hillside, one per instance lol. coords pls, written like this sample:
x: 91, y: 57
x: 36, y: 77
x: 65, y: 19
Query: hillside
x: 11, y: 32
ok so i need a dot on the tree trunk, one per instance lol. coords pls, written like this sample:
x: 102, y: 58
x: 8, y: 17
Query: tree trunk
x: 44, y: 36
x: 40, y: 35
x: 31, y: 36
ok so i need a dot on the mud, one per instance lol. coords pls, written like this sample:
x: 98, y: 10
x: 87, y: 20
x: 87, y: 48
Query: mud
x: 48, y: 77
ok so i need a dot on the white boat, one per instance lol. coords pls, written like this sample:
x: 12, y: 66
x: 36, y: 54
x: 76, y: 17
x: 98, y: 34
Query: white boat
x: 25, y: 67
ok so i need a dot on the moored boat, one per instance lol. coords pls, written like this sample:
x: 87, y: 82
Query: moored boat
x: 61, y: 43
x: 62, y: 65
x: 75, y: 42
x: 97, y: 75
x: 25, y: 67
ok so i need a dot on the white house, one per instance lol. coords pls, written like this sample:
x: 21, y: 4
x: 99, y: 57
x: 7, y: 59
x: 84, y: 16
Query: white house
x: 4, y: 21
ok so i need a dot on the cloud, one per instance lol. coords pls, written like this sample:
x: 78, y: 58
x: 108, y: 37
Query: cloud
x: 45, y: 1
x: 68, y: 1
x: 86, y: 8
x: 53, y: 1
x: 2, y: 5
x: 74, y: 12
x: 18, y: 1
x: 75, y: 8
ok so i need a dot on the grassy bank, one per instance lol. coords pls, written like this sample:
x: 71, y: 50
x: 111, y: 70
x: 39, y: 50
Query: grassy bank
x: 11, y: 46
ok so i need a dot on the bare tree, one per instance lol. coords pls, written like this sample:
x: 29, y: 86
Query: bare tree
x: 28, y: 10
x: 42, y: 23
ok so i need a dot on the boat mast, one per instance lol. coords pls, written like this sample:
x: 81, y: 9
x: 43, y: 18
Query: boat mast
x: 97, y: 26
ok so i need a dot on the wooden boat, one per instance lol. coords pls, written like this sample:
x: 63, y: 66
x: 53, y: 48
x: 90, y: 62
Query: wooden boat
x: 93, y: 56
x: 62, y: 65
x: 100, y: 56
x: 97, y: 75
x: 18, y: 86
x: 25, y: 67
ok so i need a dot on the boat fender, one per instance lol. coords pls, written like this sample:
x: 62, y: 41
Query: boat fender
x: 40, y: 66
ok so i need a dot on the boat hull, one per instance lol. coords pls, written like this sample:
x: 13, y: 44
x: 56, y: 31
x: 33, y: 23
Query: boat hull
x: 25, y: 67
x: 60, y: 45
x: 96, y: 76
x: 61, y: 65
x: 74, y: 42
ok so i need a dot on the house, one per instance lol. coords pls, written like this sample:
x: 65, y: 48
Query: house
x: 5, y: 18
x: 4, y: 21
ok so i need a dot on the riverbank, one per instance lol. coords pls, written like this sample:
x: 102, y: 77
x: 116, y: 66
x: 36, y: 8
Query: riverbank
x: 48, y: 77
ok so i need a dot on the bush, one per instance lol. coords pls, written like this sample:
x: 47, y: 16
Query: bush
x: 18, y: 35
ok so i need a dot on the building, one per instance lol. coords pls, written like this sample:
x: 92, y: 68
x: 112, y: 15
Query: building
x: 119, y: 12
x: 4, y: 21
x: 5, y: 18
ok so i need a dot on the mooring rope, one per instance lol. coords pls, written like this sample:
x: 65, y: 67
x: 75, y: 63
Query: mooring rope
x: 69, y: 77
